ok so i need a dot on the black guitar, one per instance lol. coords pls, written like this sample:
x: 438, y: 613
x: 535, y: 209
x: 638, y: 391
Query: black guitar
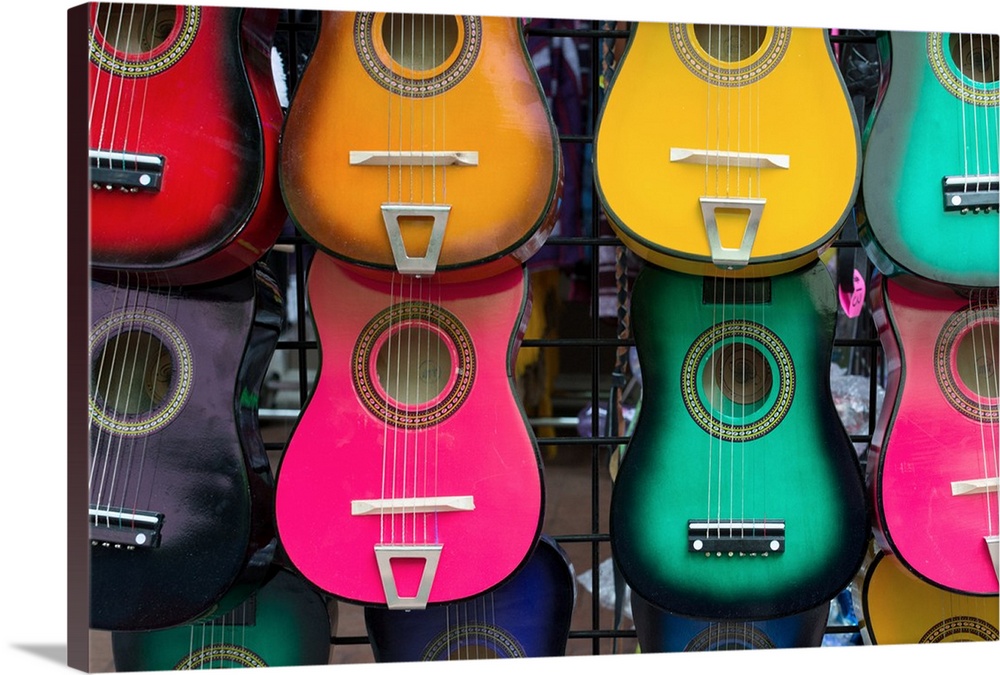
x: 181, y: 492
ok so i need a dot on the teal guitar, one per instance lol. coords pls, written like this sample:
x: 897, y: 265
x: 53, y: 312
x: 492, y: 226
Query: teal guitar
x: 740, y: 495
x: 930, y: 174
x: 285, y: 623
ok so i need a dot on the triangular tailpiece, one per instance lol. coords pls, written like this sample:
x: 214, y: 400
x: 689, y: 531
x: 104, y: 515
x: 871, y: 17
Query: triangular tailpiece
x: 731, y: 258
x: 429, y: 554
x: 417, y: 265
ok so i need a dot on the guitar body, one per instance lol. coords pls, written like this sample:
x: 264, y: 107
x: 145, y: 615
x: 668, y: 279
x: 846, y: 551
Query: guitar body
x: 413, y: 445
x: 740, y: 496
x: 184, y: 126
x: 932, y: 121
x: 529, y: 616
x: 468, y: 87
x: 933, y: 459
x: 660, y: 631
x: 688, y: 118
x: 180, y: 487
x: 284, y: 623
x: 900, y: 608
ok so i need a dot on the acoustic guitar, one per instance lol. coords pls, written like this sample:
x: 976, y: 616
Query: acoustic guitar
x: 660, y: 631
x: 740, y: 496
x: 898, y: 607
x: 284, y: 623
x: 421, y: 143
x: 412, y: 476
x: 931, y: 175
x: 529, y: 616
x: 727, y: 150
x: 181, y: 492
x: 184, y: 121
x: 933, y: 459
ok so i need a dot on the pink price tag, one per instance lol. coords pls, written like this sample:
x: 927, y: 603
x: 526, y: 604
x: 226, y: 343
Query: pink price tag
x: 853, y: 302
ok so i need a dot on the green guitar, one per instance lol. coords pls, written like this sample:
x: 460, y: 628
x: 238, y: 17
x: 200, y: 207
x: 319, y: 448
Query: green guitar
x: 285, y: 623
x: 931, y: 170
x: 740, y: 495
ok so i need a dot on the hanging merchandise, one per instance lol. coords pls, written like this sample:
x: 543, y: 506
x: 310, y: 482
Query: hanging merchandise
x: 529, y: 616
x: 443, y: 157
x: 661, y: 631
x: 181, y: 493
x: 727, y: 149
x: 900, y: 608
x: 740, y: 496
x: 184, y: 121
x: 412, y: 476
x: 933, y: 459
x: 284, y: 623
x: 930, y: 184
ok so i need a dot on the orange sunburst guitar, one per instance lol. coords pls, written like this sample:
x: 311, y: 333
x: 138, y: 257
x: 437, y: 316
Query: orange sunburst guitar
x: 421, y: 143
x: 900, y: 608
x: 727, y: 150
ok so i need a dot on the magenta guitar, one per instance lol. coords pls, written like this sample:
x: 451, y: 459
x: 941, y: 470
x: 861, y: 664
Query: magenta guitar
x: 933, y: 459
x: 412, y: 476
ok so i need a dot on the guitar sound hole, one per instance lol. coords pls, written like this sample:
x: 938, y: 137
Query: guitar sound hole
x: 976, y: 55
x: 740, y: 373
x: 730, y: 43
x: 976, y: 360
x: 136, y: 29
x: 132, y: 373
x: 413, y: 366
x: 420, y: 41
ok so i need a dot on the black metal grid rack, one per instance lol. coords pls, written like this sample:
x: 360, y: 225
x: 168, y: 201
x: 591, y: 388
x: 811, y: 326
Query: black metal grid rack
x: 593, y: 343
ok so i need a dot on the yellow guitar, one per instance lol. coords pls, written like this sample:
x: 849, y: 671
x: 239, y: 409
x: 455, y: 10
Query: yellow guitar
x: 900, y: 608
x: 421, y: 143
x: 727, y: 150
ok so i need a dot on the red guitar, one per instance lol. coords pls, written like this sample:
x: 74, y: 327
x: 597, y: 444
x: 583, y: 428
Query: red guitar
x: 184, y: 122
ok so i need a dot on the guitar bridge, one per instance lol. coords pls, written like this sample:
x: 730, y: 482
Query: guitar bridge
x: 127, y: 530
x: 126, y: 171
x: 976, y: 194
x: 736, y: 537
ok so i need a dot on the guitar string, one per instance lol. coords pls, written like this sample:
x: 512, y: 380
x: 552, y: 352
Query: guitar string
x: 979, y: 305
x: 116, y: 407
x: 143, y: 442
x: 133, y: 82
x: 97, y: 396
x: 108, y: 97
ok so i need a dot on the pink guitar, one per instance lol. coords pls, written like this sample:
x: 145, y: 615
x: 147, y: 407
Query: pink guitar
x: 412, y: 476
x: 933, y: 459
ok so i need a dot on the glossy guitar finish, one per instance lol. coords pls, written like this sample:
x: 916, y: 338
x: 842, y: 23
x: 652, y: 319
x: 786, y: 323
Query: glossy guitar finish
x: 725, y: 129
x: 413, y: 445
x: 738, y: 436
x: 933, y: 459
x: 181, y: 492
x: 660, y: 631
x: 900, y: 608
x: 184, y: 124
x: 529, y: 616
x: 284, y: 623
x: 933, y: 121
x: 448, y: 115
